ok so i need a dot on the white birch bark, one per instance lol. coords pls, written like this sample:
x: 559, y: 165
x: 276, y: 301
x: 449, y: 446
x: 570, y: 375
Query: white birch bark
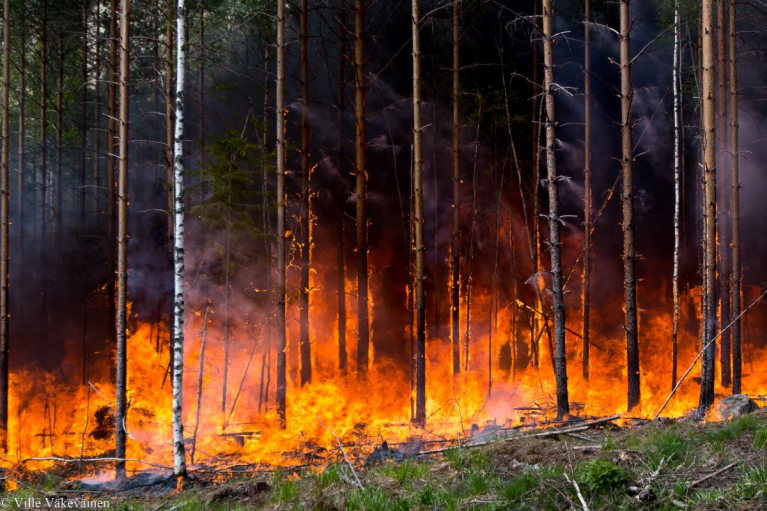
x: 179, y: 461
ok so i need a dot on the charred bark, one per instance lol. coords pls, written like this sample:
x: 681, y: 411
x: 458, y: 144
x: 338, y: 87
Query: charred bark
x: 555, y: 245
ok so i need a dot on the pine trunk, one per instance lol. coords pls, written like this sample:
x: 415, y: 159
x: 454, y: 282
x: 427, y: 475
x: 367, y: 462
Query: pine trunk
x: 111, y: 175
x: 723, y: 244
x: 280, y: 235
x: 179, y: 461
x: 360, y: 81
x: 122, y: 242
x: 627, y: 199
x: 586, y: 188
x: 341, y: 286
x: 43, y: 189
x: 455, y: 244
x: 5, y: 221
x: 709, y: 166
x: 83, y: 114
x: 420, y: 249
x: 555, y: 245
x: 735, y: 199
x: 169, y: 115
x: 305, y: 231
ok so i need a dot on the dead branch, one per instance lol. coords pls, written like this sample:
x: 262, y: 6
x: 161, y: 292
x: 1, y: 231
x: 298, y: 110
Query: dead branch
x: 578, y: 491
x: 343, y: 451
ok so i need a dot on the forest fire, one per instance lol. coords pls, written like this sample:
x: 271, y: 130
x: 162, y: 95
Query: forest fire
x: 321, y: 256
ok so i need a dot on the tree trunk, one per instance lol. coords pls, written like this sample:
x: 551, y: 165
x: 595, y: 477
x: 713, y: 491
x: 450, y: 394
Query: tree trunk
x: 455, y: 244
x: 111, y: 175
x: 169, y: 115
x: 627, y: 198
x: 43, y: 192
x: 21, y: 156
x: 83, y: 113
x: 677, y: 68
x: 709, y: 166
x: 58, y: 218
x: 341, y: 288
x: 201, y: 82
x: 586, y: 188
x: 122, y: 241
x: 5, y: 221
x: 280, y: 146
x: 724, y: 232
x: 305, y: 231
x: 179, y: 461
x: 360, y: 96
x: 420, y: 313
x: 735, y: 199
x: 555, y: 246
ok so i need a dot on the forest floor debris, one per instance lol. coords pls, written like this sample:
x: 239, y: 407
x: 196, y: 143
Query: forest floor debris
x: 667, y: 464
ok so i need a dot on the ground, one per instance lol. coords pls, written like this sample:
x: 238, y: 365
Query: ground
x: 658, y: 465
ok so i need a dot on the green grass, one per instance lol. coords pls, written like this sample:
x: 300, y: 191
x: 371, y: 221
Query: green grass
x: 518, y: 487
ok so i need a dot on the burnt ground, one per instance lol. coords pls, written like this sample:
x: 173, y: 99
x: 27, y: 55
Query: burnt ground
x: 666, y: 464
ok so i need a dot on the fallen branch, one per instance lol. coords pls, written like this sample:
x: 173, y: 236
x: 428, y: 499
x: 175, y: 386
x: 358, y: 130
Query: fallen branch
x: 343, y: 451
x: 646, y: 491
x: 578, y: 491
x: 705, y: 347
x: 551, y: 432
x: 716, y: 473
x: 94, y: 460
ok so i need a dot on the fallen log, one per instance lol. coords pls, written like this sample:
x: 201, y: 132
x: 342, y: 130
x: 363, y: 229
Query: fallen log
x: 545, y: 433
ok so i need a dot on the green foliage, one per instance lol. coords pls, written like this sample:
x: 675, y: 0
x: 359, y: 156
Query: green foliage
x: 600, y: 476
x: 515, y: 489
x: 734, y: 429
x: 285, y: 490
x: 760, y: 438
x: 668, y: 445
x: 406, y: 472
x: 374, y: 499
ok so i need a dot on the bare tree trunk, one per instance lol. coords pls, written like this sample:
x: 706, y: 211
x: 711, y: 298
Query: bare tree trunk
x: 627, y: 198
x: 677, y: 68
x: 21, y: 160
x: 57, y: 199
x: 179, y: 459
x: 43, y: 192
x: 555, y: 246
x: 169, y: 115
x: 586, y: 188
x: 470, y: 255
x: 280, y: 234
x: 305, y: 231
x: 83, y: 113
x: 361, y: 172
x: 723, y: 273
x: 5, y: 221
x: 420, y: 249
x: 111, y: 175
x: 201, y: 81
x: 455, y: 244
x: 122, y: 241
x: 735, y: 199
x: 341, y: 289
x: 709, y: 165
x: 97, y: 115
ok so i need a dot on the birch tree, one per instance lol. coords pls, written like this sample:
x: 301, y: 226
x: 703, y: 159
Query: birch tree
x: 555, y: 245
x: 179, y: 461
x: 677, y: 85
